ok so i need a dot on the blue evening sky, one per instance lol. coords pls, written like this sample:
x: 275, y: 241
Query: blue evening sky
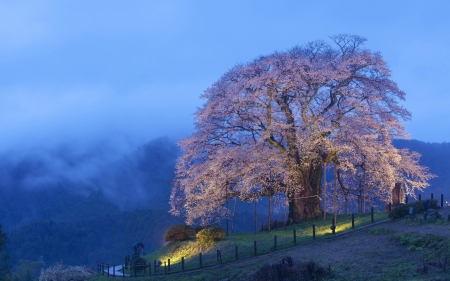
x: 88, y: 71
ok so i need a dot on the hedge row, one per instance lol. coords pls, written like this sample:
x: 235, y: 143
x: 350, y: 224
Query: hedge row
x: 419, y: 206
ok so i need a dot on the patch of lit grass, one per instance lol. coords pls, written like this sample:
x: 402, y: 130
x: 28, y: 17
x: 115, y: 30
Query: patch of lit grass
x: 244, y: 242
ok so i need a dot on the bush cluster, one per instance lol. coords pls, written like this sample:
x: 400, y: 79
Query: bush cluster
x: 419, y: 206
x: 179, y: 232
x: 210, y: 234
x: 59, y: 272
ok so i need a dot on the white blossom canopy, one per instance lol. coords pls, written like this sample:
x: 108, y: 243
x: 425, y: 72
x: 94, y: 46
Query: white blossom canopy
x: 267, y: 126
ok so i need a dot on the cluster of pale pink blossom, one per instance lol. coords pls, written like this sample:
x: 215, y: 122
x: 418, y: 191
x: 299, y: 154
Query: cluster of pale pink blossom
x: 60, y: 272
x: 268, y: 127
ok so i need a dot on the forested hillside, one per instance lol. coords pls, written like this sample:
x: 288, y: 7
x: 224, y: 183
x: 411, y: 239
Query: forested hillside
x: 434, y: 156
x: 63, y: 186
x: 107, y: 238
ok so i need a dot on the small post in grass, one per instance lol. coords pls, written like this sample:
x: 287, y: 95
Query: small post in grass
x: 108, y: 270
x: 371, y: 214
x: 182, y: 263
x: 274, y: 242
x: 353, y: 220
x: 165, y: 268
x: 295, y: 236
x: 168, y: 264
x: 314, y: 231
x: 333, y: 226
x: 114, y: 271
x: 201, y: 260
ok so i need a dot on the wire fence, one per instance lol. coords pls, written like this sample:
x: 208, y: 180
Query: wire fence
x: 243, y: 248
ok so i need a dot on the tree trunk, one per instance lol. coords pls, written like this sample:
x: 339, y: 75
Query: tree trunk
x: 305, y: 204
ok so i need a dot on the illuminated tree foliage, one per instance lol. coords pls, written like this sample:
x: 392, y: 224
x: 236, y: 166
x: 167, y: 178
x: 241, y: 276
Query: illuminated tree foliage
x: 268, y: 126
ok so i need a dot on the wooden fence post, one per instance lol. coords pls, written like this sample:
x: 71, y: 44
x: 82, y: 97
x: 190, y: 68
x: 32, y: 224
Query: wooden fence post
x: 295, y: 236
x: 219, y: 256
x: 333, y: 226
x: 182, y: 263
x: 353, y: 220
x: 274, y: 242
x: 371, y: 214
x: 314, y: 231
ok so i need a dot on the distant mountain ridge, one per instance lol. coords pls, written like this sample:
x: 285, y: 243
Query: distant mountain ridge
x: 49, y: 185
x: 435, y: 156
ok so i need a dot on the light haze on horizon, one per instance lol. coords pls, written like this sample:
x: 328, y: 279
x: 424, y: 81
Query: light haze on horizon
x: 126, y: 72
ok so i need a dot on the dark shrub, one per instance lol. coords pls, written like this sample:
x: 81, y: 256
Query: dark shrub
x: 179, y: 233
x: 210, y: 234
x: 419, y: 206
x: 303, y: 271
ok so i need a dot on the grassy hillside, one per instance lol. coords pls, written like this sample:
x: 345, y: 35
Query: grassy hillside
x: 392, y: 250
x: 191, y: 249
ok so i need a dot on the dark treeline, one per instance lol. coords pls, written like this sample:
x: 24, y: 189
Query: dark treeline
x: 107, y: 238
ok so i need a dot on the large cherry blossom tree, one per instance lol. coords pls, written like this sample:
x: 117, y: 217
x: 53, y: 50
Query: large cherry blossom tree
x: 268, y: 126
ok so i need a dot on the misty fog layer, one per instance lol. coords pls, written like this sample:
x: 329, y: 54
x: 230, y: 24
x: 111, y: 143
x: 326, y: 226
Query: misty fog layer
x: 55, y: 184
